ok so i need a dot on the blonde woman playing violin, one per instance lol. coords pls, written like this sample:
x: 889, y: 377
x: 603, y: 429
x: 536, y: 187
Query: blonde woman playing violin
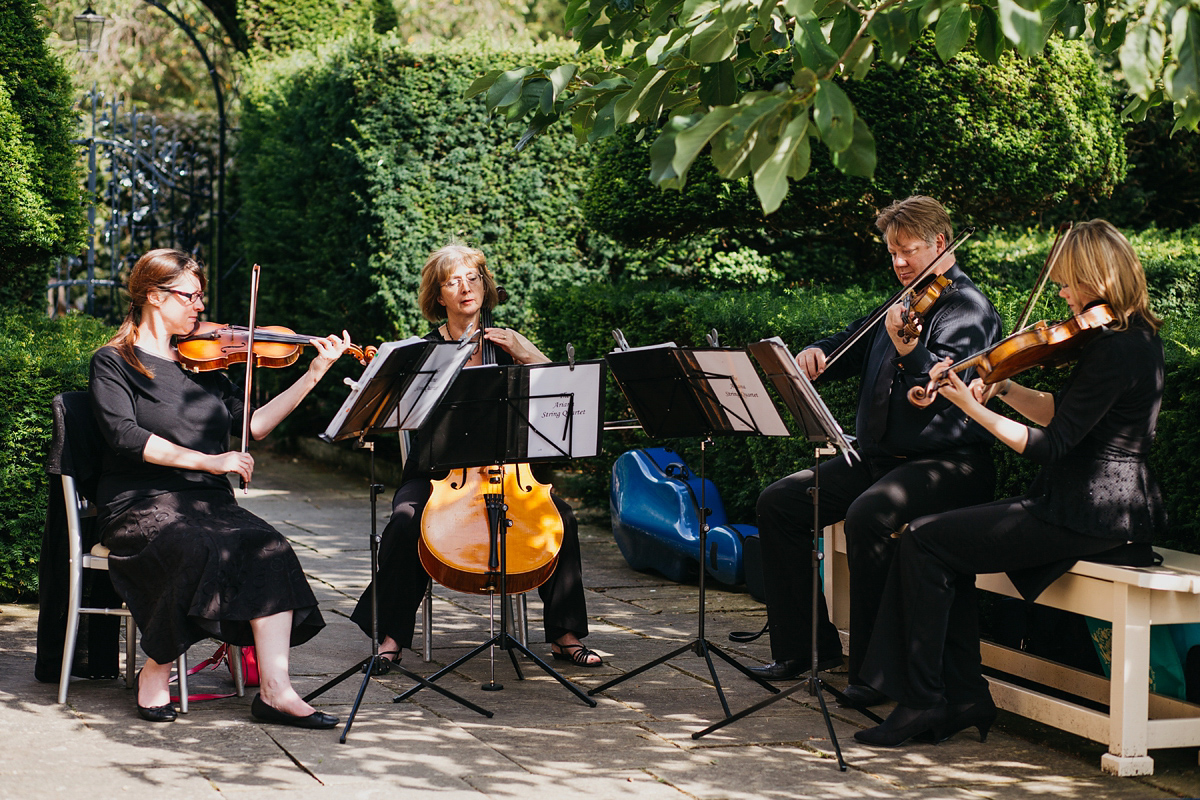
x: 1095, y: 498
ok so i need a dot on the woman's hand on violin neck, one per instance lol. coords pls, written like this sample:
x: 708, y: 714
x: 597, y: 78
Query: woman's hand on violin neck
x: 521, y: 349
x: 329, y: 350
x: 950, y: 386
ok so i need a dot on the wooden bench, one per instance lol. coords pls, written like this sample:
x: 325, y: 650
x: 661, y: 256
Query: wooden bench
x: 1132, y: 599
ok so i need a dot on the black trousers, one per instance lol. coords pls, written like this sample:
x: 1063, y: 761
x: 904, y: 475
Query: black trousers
x: 876, y: 497
x: 401, y: 581
x: 925, y: 647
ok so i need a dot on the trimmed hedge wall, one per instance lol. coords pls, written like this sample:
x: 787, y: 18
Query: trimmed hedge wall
x: 39, y: 358
x: 1004, y: 266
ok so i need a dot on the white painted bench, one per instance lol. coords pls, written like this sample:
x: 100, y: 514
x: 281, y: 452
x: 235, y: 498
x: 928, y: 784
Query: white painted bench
x: 1132, y: 599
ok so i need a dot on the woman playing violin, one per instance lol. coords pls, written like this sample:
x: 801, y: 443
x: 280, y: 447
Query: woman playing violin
x: 187, y: 560
x: 456, y: 286
x: 1095, y: 498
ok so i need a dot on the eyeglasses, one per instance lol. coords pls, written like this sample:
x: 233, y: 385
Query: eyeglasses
x: 471, y: 278
x: 189, y: 297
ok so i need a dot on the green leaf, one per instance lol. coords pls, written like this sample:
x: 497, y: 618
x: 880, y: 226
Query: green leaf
x: 892, y: 31
x: 1142, y: 56
x: 845, y: 25
x: 482, y: 82
x: 560, y: 76
x: 643, y: 97
x: 834, y: 114
x: 712, y: 41
x: 1022, y: 26
x: 718, y: 84
x: 859, y: 158
x: 789, y: 158
x: 681, y: 141
x: 507, y: 88
x: 989, y: 41
x: 1181, y: 78
x: 809, y: 41
x: 1072, y: 20
x: 953, y: 30
x: 1187, y: 115
x: 732, y: 150
x: 798, y: 8
x: 662, y: 11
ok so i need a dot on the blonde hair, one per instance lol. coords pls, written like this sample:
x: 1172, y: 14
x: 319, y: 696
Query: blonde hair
x: 918, y: 216
x: 437, y: 271
x: 1097, y: 256
x: 156, y: 269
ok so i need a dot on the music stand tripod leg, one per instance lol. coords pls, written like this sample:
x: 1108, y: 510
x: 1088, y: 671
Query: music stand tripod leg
x: 367, y: 665
x: 813, y: 683
x: 699, y: 645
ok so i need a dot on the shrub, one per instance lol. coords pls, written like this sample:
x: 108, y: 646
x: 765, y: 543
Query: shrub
x: 38, y: 359
x: 40, y: 211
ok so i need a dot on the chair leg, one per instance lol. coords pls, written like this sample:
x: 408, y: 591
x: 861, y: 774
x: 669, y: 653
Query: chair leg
x: 181, y: 668
x: 64, y: 678
x: 235, y: 666
x: 130, y: 650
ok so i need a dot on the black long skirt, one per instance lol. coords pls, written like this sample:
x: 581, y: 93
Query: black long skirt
x: 195, y: 565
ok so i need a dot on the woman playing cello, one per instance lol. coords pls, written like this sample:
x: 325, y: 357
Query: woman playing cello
x: 456, y: 286
x: 1094, y: 498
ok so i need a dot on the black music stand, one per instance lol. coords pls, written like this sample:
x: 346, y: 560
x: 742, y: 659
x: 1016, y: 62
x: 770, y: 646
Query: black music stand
x: 684, y: 392
x: 823, y: 430
x: 496, y: 415
x: 397, y: 391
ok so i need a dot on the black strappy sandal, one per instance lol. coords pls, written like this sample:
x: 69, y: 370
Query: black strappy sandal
x: 578, y: 654
x: 382, y: 666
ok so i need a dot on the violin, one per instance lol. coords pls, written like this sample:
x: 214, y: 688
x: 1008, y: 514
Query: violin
x: 464, y: 521
x: 1046, y: 344
x: 917, y: 304
x: 212, y: 345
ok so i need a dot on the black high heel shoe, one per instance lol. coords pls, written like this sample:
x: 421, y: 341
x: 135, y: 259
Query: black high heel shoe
x: 979, y: 715
x: 152, y: 713
x: 903, y: 724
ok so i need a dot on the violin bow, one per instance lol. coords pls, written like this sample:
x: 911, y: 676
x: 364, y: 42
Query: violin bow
x: 254, y: 275
x: 1051, y: 258
x: 881, y: 312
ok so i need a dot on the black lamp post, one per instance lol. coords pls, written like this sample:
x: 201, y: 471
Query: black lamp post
x: 93, y: 24
x: 88, y: 27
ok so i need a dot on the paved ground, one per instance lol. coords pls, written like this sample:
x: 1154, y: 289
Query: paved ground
x: 542, y: 741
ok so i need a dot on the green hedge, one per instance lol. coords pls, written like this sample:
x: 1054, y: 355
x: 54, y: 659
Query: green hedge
x: 40, y: 211
x: 1003, y: 265
x: 38, y: 359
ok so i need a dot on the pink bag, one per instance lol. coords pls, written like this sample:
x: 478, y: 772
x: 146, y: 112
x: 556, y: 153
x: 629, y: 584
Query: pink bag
x: 221, y: 656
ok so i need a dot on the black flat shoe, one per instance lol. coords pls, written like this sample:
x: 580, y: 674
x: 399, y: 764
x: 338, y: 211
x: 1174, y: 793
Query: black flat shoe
x: 858, y: 696
x: 165, y: 713
x: 979, y: 715
x: 903, y: 724
x: 790, y: 668
x: 318, y: 720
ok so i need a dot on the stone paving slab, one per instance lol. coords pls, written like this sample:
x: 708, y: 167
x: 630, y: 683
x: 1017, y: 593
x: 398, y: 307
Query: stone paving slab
x: 542, y: 740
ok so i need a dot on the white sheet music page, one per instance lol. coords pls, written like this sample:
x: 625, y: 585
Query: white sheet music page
x: 559, y: 394
x: 743, y: 386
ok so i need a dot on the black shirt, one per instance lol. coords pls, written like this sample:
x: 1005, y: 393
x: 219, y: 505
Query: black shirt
x: 193, y: 410
x: 961, y: 323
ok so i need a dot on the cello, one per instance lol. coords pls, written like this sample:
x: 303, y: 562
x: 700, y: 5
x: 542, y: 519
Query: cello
x: 493, y: 528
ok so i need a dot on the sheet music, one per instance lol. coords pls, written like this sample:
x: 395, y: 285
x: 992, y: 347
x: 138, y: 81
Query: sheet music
x: 742, y: 396
x: 415, y: 406
x: 565, y: 410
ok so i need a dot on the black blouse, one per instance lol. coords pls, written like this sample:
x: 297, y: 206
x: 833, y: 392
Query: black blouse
x: 1094, y: 479
x: 193, y: 410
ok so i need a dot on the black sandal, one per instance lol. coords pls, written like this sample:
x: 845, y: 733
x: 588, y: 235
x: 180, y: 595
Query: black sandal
x: 578, y: 654
x: 382, y: 666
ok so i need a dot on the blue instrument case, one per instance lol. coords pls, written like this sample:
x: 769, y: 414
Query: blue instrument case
x: 655, y: 502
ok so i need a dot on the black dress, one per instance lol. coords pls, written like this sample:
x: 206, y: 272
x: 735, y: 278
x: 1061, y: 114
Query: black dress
x: 1095, y: 496
x: 401, y: 582
x: 188, y: 561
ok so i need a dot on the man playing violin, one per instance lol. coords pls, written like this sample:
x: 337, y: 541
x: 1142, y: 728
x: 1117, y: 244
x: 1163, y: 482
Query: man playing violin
x: 456, y: 287
x: 1095, y: 498
x: 913, y: 461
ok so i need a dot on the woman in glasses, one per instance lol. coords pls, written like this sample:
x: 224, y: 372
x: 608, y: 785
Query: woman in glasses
x: 456, y: 286
x: 186, y: 559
